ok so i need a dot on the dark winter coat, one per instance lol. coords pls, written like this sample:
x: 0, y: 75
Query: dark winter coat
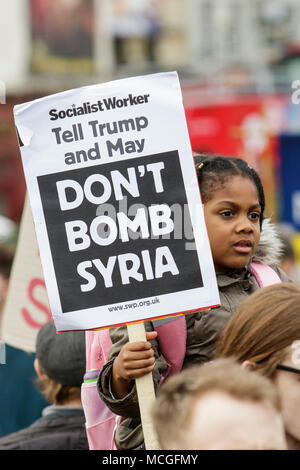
x: 59, y: 428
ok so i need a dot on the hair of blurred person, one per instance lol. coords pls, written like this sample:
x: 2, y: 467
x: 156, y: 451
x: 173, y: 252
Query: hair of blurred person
x: 60, y: 367
x: 6, y: 260
x: 264, y: 335
x: 287, y: 260
x: 218, y: 406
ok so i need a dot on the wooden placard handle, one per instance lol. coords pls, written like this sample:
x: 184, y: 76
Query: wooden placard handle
x: 145, y: 391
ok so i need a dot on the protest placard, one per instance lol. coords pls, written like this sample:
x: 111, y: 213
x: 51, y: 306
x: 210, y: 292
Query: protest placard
x: 107, y: 166
x: 26, y: 307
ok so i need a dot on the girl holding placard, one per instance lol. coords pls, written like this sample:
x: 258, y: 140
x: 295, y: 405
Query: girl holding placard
x: 234, y: 203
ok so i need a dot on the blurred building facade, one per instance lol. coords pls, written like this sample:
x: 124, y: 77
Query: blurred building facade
x: 48, y: 45
x: 241, y: 40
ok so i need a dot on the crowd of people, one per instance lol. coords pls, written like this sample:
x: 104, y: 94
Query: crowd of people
x: 239, y: 385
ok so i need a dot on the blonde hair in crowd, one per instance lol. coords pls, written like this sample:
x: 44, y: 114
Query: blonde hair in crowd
x: 263, y: 327
x: 55, y: 393
x: 173, y: 409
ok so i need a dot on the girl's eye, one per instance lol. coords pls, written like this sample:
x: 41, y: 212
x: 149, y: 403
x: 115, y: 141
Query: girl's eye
x: 226, y: 213
x: 254, y: 216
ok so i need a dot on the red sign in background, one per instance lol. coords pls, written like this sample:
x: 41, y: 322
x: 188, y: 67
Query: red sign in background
x: 241, y: 125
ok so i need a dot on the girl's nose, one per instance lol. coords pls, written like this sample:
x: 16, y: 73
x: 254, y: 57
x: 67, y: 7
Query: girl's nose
x: 244, y: 225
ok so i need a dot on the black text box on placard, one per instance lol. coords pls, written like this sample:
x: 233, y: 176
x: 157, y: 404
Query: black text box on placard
x: 89, y: 274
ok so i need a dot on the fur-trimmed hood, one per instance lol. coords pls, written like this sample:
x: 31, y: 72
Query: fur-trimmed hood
x: 270, y: 245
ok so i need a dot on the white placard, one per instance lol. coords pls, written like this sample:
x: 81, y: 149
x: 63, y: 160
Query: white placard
x: 26, y: 307
x: 116, y: 203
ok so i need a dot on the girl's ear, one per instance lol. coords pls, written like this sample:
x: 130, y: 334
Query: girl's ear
x: 248, y: 365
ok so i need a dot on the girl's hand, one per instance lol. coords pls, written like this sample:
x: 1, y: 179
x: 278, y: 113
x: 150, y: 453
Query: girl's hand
x: 133, y: 361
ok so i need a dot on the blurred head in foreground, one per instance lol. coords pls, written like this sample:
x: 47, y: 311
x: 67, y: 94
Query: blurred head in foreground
x: 218, y: 406
x: 264, y: 335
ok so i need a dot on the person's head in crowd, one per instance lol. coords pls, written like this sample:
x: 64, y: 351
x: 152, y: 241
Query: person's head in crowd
x: 287, y: 258
x: 60, y: 364
x: 264, y: 335
x: 234, y: 203
x: 218, y: 406
x: 6, y: 261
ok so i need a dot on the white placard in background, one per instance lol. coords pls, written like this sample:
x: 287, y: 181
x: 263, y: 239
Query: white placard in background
x: 26, y: 307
